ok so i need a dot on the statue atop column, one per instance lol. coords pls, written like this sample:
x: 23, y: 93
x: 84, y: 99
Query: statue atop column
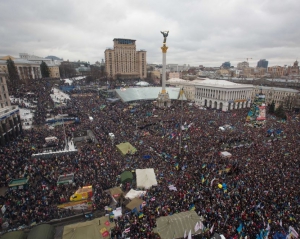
x: 165, y: 35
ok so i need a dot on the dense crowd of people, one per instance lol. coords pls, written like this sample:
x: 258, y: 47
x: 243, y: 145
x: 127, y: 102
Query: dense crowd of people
x: 256, y: 188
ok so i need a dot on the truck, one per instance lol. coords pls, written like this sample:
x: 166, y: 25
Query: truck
x: 65, y: 179
x: 84, y: 193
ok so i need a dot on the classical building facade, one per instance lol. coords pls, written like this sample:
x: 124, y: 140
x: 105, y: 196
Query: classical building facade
x: 52, y: 65
x: 188, y: 87
x: 10, y: 121
x: 26, y: 69
x: 124, y: 61
x: 223, y: 95
x: 276, y: 94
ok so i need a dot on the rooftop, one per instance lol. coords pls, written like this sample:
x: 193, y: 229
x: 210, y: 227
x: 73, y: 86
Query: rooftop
x: 146, y: 93
x: 20, y: 61
x: 222, y: 83
x: 277, y: 89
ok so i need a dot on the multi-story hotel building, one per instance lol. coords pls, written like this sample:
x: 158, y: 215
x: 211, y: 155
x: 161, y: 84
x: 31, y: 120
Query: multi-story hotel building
x: 124, y: 61
x: 10, y: 121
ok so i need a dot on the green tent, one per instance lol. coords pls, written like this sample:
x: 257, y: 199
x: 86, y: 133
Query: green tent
x: 43, y: 231
x: 126, y: 148
x: 14, y: 235
x: 174, y: 226
x: 126, y: 176
x: 95, y: 229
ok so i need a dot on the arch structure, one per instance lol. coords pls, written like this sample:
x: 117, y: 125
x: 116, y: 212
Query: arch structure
x: 223, y: 95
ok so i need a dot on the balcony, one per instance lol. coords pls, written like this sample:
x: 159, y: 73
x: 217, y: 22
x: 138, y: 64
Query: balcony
x: 8, y: 111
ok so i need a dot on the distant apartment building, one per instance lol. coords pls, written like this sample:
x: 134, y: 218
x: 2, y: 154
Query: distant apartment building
x: 248, y: 72
x: 177, y: 67
x: 54, y: 71
x: 223, y: 72
x: 226, y: 65
x: 124, y: 61
x: 242, y: 65
x: 293, y: 70
x: 262, y: 63
x: 276, y: 71
x: 260, y: 71
x: 10, y: 121
x: 174, y: 75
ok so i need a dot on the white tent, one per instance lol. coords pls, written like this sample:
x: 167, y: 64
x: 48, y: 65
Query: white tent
x: 134, y: 194
x: 142, y: 83
x: 145, y: 178
x: 226, y: 154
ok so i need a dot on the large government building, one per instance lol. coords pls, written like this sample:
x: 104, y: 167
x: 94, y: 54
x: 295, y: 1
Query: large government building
x: 223, y: 95
x: 124, y: 61
x: 10, y: 121
x: 26, y: 69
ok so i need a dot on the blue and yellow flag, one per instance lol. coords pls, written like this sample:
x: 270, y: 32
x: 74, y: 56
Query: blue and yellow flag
x: 177, y: 166
x: 141, y: 215
x: 192, y: 207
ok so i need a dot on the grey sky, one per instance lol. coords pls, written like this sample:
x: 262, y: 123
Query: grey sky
x: 202, y: 32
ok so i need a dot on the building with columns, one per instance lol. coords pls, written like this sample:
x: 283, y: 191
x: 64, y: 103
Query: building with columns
x: 53, y: 65
x: 26, y: 69
x: 10, y: 121
x: 277, y: 94
x: 223, y: 95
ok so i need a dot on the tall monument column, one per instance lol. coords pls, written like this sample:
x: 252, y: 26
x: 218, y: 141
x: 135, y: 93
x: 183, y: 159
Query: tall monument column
x: 163, y: 99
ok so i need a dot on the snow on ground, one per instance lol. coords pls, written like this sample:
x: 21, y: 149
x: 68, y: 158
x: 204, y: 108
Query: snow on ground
x: 59, y: 96
x: 26, y: 115
x: 70, y: 81
x: 14, y: 101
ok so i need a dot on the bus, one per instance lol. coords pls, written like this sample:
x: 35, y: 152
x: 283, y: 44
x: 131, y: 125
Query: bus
x: 18, y: 183
x: 65, y: 179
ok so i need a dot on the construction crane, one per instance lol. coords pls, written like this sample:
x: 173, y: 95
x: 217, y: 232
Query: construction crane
x: 248, y: 59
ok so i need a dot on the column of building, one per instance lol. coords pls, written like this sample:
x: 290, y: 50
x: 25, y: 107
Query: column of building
x: 2, y: 140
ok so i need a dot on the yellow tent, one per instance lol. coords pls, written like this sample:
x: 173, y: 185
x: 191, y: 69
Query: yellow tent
x: 126, y: 148
x: 94, y: 229
x: 134, y: 203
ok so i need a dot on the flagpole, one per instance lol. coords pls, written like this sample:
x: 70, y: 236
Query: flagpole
x: 180, y: 136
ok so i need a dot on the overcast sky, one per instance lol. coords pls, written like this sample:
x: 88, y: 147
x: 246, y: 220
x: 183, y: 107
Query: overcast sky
x: 202, y: 32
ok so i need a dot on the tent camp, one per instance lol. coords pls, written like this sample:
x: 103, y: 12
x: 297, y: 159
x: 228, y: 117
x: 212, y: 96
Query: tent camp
x: 134, y: 194
x: 95, y: 229
x: 145, y: 178
x: 43, y: 231
x: 225, y: 154
x: 116, y: 192
x: 126, y: 148
x: 126, y: 176
x: 174, y: 226
x: 135, y: 203
x: 14, y: 235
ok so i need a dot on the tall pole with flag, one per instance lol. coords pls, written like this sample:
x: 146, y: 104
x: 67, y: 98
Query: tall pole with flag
x: 181, y: 115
